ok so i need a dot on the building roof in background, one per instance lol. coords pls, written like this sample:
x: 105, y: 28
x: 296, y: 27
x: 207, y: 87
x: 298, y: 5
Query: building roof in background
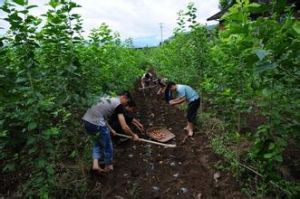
x: 217, y: 15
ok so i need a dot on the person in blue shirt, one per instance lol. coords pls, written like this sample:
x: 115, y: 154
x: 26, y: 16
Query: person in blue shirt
x: 185, y: 94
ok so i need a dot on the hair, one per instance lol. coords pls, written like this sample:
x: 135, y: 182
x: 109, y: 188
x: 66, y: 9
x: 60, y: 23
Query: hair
x: 131, y: 103
x: 169, y: 85
x: 147, y: 75
x: 168, y: 93
x: 126, y: 94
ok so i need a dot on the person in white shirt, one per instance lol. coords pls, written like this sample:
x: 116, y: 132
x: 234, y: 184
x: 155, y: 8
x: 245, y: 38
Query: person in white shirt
x: 95, y: 122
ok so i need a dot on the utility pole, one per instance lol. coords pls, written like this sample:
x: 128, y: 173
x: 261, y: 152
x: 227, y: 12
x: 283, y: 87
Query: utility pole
x: 161, y: 32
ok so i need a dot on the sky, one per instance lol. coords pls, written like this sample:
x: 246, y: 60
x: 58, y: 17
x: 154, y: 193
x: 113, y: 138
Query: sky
x: 137, y: 19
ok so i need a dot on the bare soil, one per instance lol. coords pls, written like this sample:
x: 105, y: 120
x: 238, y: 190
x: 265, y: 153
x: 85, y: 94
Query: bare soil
x: 150, y: 171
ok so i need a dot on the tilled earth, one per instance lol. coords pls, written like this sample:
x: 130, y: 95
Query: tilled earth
x: 149, y: 171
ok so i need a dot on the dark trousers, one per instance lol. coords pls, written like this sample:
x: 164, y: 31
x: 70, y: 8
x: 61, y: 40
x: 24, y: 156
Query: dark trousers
x: 192, y: 110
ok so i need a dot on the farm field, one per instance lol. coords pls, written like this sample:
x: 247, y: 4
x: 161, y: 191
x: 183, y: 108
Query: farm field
x: 149, y: 171
x: 244, y: 71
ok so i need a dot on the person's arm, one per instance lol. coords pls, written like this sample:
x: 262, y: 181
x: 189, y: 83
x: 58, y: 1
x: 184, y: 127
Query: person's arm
x: 159, y: 91
x: 177, y: 101
x: 126, y: 128
x: 138, y: 125
x: 112, y: 131
x: 143, y: 82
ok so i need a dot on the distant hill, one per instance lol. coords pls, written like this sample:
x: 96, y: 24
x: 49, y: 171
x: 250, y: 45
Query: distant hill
x: 211, y: 27
x: 151, y: 42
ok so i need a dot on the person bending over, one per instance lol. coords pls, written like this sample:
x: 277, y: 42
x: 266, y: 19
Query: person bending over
x: 121, y: 119
x: 146, y: 79
x: 185, y: 94
x: 95, y: 123
x: 162, y: 83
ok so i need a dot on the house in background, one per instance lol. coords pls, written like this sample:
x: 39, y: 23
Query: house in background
x: 218, y: 16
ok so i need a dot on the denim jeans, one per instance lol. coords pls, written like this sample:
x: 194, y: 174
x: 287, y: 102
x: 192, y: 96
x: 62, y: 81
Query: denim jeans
x: 103, y: 148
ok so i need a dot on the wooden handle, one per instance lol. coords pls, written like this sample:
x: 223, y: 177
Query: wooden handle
x: 148, y: 141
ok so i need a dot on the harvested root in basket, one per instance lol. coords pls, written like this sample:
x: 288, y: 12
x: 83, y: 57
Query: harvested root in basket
x: 157, y: 135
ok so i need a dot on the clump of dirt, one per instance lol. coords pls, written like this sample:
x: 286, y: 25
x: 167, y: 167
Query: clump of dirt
x: 150, y: 171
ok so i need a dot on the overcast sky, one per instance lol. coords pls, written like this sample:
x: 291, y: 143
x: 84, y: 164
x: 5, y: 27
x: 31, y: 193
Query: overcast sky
x: 138, y: 19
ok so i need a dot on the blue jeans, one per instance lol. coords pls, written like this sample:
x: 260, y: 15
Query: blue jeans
x: 103, y: 148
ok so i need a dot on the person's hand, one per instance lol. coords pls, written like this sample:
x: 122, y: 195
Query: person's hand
x: 135, y: 137
x: 142, y: 127
x: 172, y: 103
x: 113, y: 132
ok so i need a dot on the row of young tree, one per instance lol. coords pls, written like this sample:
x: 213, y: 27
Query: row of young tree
x: 248, y: 75
x: 50, y: 74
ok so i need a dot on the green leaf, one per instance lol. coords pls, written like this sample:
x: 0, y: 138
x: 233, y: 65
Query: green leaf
x: 50, y: 170
x: 32, y: 150
x: 21, y: 2
x: 73, y: 5
x: 54, y: 3
x: 278, y: 158
x: 258, y: 8
x: 21, y: 80
x: 32, y: 125
x: 24, y: 11
x: 10, y: 167
x: 31, y: 6
x: 268, y: 155
x: 52, y: 131
x: 44, y: 195
x: 30, y: 140
x: 3, y: 134
x: 254, y: 5
x: 296, y: 27
x: 5, y: 8
x: 271, y: 146
x: 73, y: 154
x: 40, y: 163
x: 14, y: 17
